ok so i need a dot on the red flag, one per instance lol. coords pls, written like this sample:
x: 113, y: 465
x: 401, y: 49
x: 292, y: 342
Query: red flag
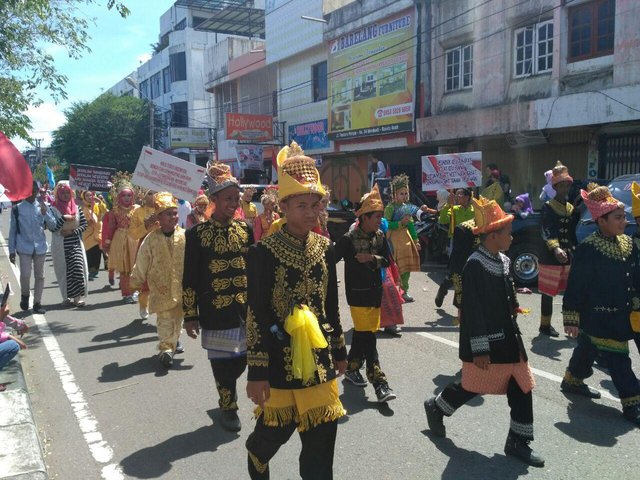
x: 15, y: 174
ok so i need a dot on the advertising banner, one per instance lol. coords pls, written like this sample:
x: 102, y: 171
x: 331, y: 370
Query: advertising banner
x: 310, y: 136
x: 250, y: 157
x: 452, y: 170
x: 371, y: 79
x: 165, y: 173
x: 251, y: 128
x: 89, y: 177
x: 197, y: 138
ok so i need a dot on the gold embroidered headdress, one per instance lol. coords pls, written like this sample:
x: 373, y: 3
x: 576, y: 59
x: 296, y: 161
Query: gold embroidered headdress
x: 297, y: 173
x: 164, y: 201
x: 219, y: 177
x: 599, y: 200
x: 371, y: 202
x: 398, y: 182
x: 488, y: 216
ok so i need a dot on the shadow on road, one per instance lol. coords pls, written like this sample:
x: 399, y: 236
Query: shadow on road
x: 134, y: 329
x: 442, y: 381
x: 550, y: 348
x: 465, y: 464
x: 355, y: 400
x: 114, y: 372
x: 593, y: 423
x: 157, y: 461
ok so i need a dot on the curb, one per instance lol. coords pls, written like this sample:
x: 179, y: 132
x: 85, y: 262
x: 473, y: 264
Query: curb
x: 21, y: 457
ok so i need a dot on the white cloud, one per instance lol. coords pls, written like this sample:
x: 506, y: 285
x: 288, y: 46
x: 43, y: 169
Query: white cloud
x: 145, y: 57
x: 45, y: 119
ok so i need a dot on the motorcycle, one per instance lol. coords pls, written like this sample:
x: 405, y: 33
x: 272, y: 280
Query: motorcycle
x: 433, y: 238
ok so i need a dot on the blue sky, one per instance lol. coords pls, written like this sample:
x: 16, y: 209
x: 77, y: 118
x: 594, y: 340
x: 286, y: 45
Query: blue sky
x: 118, y: 45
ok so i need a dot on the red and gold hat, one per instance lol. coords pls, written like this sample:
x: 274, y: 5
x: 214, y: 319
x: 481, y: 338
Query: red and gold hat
x: 297, y: 173
x: 371, y: 202
x: 219, y: 177
x: 635, y: 200
x: 599, y: 200
x: 488, y: 216
x: 560, y: 173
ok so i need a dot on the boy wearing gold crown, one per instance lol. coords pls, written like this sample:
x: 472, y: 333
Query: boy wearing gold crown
x: 494, y: 360
x: 160, y: 263
x: 215, y: 288
x: 559, y: 234
x: 600, y: 314
x: 365, y: 252
x: 295, y: 343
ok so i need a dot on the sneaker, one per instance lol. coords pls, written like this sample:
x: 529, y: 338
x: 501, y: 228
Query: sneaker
x: 632, y: 414
x: 384, y: 393
x: 128, y: 300
x: 179, y: 348
x: 548, y: 330
x: 435, y: 417
x: 582, y: 389
x: 166, y: 359
x: 355, y: 377
x: 230, y: 421
x: 135, y: 296
x: 144, y: 313
x: 37, y: 308
x: 519, y: 447
x: 407, y: 298
x: 78, y: 302
x: 442, y: 292
x: 395, y: 330
x: 24, y: 302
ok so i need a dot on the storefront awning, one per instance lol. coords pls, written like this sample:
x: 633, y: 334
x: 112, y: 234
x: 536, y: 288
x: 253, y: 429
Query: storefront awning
x: 228, y: 17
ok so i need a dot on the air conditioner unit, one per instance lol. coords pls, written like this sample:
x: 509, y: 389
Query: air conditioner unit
x: 526, y: 139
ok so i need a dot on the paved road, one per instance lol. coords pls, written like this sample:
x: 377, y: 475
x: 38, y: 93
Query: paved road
x: 105, y: 409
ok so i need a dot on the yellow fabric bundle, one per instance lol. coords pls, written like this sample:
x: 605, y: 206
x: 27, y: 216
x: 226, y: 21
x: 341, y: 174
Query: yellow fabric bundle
x: 305, y: 333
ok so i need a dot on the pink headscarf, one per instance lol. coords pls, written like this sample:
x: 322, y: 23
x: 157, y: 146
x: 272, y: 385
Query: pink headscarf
x: 65, y: 208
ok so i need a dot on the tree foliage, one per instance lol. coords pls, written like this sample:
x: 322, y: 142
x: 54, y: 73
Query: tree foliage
x: 27, y: 29
x: 109, y: 132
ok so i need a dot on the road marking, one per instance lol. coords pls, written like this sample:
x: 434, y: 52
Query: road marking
x: 536, y: 371
x: 100, y: 449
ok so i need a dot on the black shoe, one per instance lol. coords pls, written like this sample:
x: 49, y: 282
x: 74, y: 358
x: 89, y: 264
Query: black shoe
x: 384, y: 393
x: 519, y: 447
x: 179, y: 348
x: 230, y: 421
x: 395, y: 331
x: 24, y: 302
x: 37, y: 308
x: 434, y: 418
x: 407, y: 298
x: 632, y: 414
x: 442, y: 292
x: 582, y: 389
x: 548, y: 330
x: 355, y: 377
x: 166, y: 359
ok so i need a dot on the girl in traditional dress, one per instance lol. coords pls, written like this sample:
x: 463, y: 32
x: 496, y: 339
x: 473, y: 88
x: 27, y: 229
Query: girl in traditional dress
x: 92, y: 236
x: 402, y: 233
x: 198, y: 214
x: 263, y: 222
x: 119, y: 245
x: 67, y: 222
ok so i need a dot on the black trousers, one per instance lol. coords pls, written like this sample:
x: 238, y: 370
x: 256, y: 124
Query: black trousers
x: 316, y: 457
x: 226, y: 373
x: 546, y: 304
x: 364, y: 349
x: 619, y: 365
x: 94, y: 254
x: 520, y: 403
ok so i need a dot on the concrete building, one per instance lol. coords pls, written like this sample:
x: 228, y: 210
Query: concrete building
x: 529, y: 83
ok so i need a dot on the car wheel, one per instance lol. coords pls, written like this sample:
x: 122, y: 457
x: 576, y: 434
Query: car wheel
x: 524, y: 264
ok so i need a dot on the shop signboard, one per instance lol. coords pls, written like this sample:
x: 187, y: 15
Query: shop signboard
x: 249, y: 128
x: 311, y: 135
x: 371, y: 78
x: 195, y: 138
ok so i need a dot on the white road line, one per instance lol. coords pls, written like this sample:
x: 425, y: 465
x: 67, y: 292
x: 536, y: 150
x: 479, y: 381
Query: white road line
x: 536, y: 371
x: 100, y: 450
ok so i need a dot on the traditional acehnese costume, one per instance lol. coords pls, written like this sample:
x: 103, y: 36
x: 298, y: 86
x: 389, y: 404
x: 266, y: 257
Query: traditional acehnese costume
x: 294, y: 335
x: 635, y: 213
x: 198, y: 213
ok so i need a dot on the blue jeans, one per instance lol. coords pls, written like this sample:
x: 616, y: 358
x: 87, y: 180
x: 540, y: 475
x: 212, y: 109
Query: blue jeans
x: 8, y: 350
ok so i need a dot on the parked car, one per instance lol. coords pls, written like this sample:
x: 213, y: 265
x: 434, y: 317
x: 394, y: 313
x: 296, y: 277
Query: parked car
x: 620, y: 188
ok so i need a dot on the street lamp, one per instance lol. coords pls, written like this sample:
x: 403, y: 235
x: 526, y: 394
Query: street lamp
x: 313, y: 19
x: 131, y: 81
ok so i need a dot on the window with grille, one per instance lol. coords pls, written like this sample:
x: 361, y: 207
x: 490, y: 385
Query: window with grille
x: 459, y: 68
x: 178, y: 66
x: 144, y: 89
x: 591, y: 30
x: 533, y: 49
x: 155, y: 84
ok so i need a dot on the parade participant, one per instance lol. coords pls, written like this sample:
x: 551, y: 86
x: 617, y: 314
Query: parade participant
x: 264, y: 221
x: 522, y: 208
x: 323, y: 216
x: 184, y: 209
x: 402, y: 233
x: 457, y: 210
x: 249, y: 210
x: 635, y: 213
x: 67, y: 222
x: 391, y: 316
x: 143, y: 222
x: 117, y: 243
x: 365, y: 252
x: 494, y: 360
x: 28, y: 240
x: 464, y: 243
x: 559, y: 234
x: 294, y: 336
x: 160, y: 263
x: 198, y: 213
x: 215, y: 288
x: 599, y: 301
x: 92, y: 236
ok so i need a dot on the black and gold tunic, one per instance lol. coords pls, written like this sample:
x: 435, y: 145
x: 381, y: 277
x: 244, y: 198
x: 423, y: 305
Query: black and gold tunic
x: 464, y: 244
x: 215, y: 276
x: 284, y: 271
x: 559, y: 223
